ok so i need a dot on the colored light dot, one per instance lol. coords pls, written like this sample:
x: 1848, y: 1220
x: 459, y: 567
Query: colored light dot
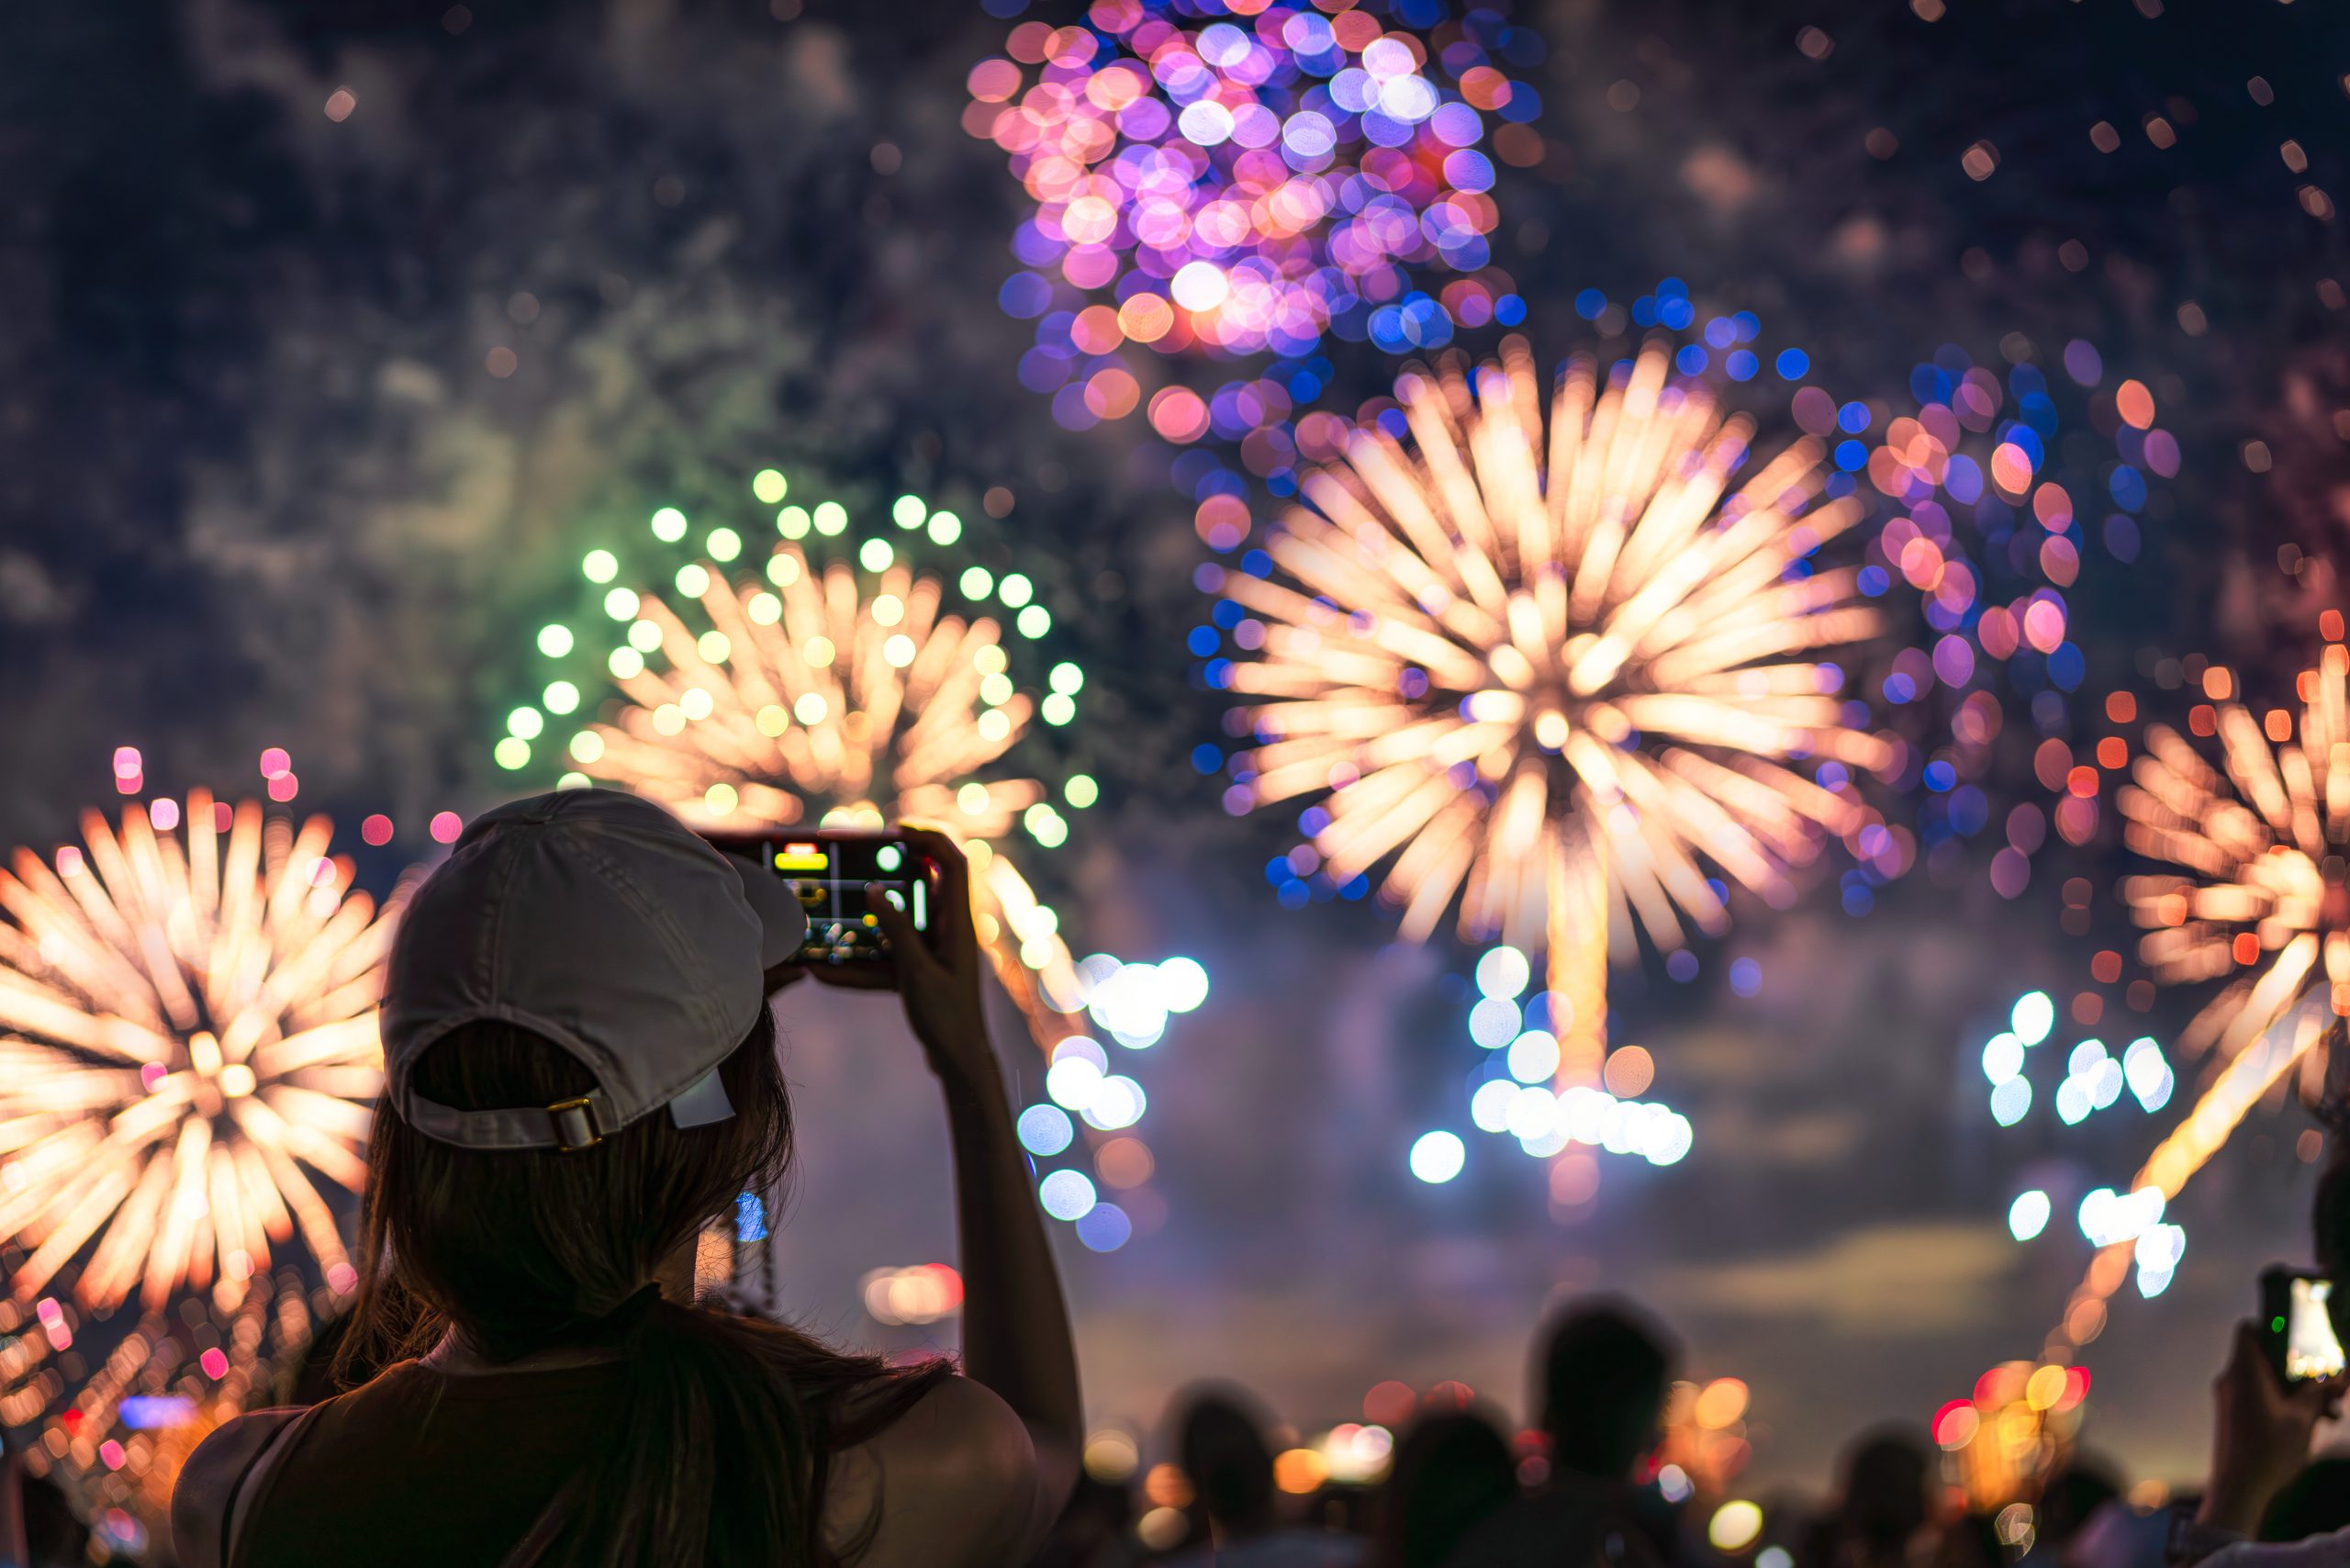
x: 899, y: 652
x: 792, y: 522
x: 809, y: 709
x: 1439, y: 1157
x: 908, y: 511
x: 772, y: 720
x: 1015, y: 589
x: 1081, y: 792
x: 976, y: 582
x: 214, y: 1362
x: 620, y: 604
x: 512, y: 753
x: 1066, y: 678
x: 725, y: 544
x: 2028, y: 1216
x: 668, y: 525
x: 945, y: 527
x: 2033, y: 1015
x: 284, y: 787
x: 693, y: 580
x: 1065, y: 1194
x: 1735, y: 1525
x: 626, y: 664
x: 1044, y: 1130
x: 586, y: 747
x: 554, y: 641
x: 525, y: 724
x: 720, y: 799
x: 1057, y: 709
x: 875, y: 555
x: 763, y: 609
x: 600, y: 565
x: 1034, y: 621
x: 1105, y: 1227
x: 376, y: 829
x: 446, y: 827
x: 713, y: 646
x: 273, y: 762
x: 830, y: 518
x: 643, y: 636
x: 1503, y: 973
x: 768, y: 486
x: 560, y: 697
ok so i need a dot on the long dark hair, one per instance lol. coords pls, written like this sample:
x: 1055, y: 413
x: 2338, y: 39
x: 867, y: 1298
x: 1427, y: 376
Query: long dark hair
x: 720, y: 1452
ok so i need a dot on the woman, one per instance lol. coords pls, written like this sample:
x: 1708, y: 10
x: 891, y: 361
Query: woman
x: 580, y: 1074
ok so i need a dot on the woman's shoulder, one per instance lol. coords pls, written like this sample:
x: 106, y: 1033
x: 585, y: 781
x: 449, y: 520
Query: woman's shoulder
x: 209, y: 1482
x: 951, y: 1481
x: 222, y: 1469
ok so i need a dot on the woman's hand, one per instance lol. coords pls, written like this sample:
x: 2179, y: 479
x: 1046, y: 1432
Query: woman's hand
x: 2260, y: 1433
x: 938, y: 975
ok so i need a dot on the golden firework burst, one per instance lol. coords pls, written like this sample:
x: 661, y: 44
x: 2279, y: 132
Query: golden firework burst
x: 187, y: 1021
x: 853, y: 698
x: 1549, y: 678
x: 2254, y: 897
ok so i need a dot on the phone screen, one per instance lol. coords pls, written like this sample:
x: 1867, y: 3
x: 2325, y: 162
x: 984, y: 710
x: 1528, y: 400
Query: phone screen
x: 2311, y: 1348
x: 828, y: 873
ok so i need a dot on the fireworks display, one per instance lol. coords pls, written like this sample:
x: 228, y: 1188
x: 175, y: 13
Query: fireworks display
x: 835, y: 684
x: 1239, y: 181
x: 1583, y: 664
x: 190, y: 1013
x: 2250, y: 899
x: 1549, y: 677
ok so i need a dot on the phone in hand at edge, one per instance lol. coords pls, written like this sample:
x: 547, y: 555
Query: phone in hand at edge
x: 828, y: 869
x: 2297, y: 1326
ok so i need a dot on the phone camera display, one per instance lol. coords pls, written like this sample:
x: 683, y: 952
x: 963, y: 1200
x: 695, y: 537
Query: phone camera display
x: 829, y: 875
x: 2312, y: 1349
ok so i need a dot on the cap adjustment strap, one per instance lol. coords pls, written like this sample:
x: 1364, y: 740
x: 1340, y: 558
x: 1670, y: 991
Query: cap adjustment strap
x: 575, y: 1121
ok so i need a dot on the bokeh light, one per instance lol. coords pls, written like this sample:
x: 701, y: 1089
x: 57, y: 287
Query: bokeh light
x: 1437, y: 1157
x: 1225, y: 184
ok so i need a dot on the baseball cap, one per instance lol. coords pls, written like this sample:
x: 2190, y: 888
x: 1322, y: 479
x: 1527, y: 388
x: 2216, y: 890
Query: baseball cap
x: 597, y: 920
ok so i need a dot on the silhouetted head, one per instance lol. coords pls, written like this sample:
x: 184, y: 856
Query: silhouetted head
x: 1885, y: 1475
x: 2069, y: 1498
x: 2329, y: 1227
x: 1604, y: 1372
x: 1224, y: 1453
x: 2315, y: 1502
x: 1972, y: 1541
x: 1450, y: 1473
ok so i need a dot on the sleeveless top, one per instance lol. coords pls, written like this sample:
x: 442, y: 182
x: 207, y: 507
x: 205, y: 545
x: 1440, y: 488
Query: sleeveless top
x: 425, y: 1467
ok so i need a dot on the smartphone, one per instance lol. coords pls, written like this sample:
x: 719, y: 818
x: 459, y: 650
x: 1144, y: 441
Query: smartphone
x: 2298, y: 1325
x: 828, y: 869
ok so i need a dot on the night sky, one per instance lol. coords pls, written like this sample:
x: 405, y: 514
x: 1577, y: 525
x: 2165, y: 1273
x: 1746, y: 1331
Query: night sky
x: 260, y: 485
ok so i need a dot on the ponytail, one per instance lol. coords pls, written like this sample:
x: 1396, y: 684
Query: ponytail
x: 724, y: 1446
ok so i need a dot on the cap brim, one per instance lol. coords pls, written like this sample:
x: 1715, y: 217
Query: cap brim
x: 783, y: 924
